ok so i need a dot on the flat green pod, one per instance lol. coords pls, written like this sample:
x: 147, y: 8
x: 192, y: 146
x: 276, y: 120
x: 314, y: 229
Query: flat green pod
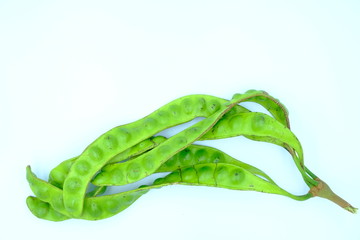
x: 44, y: 210
x: 94, y: 157
x: 220, y: 130
x: 249, y: 124
x: 45, y: 206
x: 236, y: 178
x: 132, y: 170
x: 174, y: 113
x: 195, y: 152
x: 222, y: 175
x: 281, y: 114
x: 58, y: 174
x: 98, y: 153
x: 120, y: 138
x: 254, y: 124
x: 199, y: 154
x: 260, y: 127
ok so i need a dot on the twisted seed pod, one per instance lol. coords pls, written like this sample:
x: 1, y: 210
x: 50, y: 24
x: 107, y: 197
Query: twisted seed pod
x: 194, y: 154
x: 282, y: 117
x: 200, y: 154
x: 51, y: 198
x: 240, y: 124
x: 224, y: 175
x: 97, y: 154
x: 58, y: 174
x: 260, y: 127
x: 249, y: 96
x: 118, y: 139
x: 147, y: 163
x: 274, y: 131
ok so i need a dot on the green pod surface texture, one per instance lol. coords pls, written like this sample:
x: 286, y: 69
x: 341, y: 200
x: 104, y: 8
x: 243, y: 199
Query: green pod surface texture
x: 118, y: 139
x: 97, y: 154
x: 222, y: 175
x: 241, y: 124
x: 130, y: 152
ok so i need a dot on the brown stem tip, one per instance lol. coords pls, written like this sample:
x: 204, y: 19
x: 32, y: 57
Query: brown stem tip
x: 324, y: 191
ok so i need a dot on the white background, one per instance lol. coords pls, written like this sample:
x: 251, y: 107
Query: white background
x: 71, y: 70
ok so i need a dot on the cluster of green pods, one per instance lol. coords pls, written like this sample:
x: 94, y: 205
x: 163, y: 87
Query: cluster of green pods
x: 131, y: 152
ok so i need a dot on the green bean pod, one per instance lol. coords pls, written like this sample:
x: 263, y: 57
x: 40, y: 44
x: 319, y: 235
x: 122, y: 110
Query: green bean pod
x: 192, y: 155
x: 199, y: 154
x: 272, y: 105
x: 118, y: 139
x: 97, y: 154
x: 222, y: 175
x: 240, y: 124
x: 67, y: 163
x: 112, y: 204
x: 58, y: 174
x: 261, y: 127
x: 44, y: 210
x: 147, y: 163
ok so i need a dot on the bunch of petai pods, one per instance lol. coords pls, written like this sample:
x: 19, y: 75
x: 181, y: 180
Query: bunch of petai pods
x: 130, y: 152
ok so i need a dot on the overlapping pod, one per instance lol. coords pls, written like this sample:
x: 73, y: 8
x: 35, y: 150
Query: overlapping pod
x: 58, y: 174
x: 278, y: 111
x: 83, y: 167
x: 94, y: 207
x: 195, y: 154
x: 138, y: 154
x: 189, y: 157
x: 222, y: 174
x: 98, y: 153
x: 118, y: 139
x: 44, y: 210
x: 271, y: 104
x: 241, y: 124
x: 260, y: 125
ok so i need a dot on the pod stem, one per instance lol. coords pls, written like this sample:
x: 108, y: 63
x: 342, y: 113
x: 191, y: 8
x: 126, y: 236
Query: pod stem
x: 324, y: 191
